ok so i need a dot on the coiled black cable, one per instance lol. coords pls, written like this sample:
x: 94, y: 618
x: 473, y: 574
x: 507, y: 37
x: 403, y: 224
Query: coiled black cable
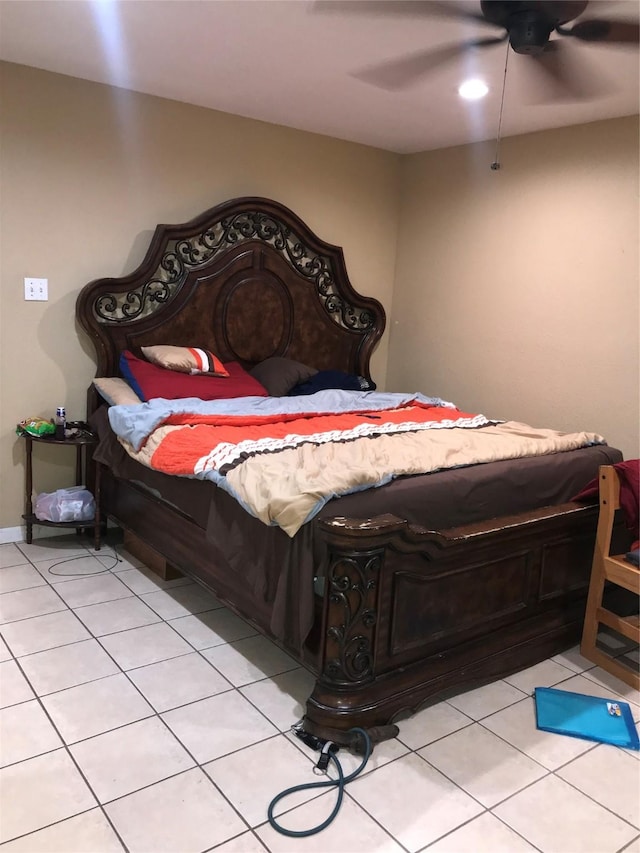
x: 338, y: 783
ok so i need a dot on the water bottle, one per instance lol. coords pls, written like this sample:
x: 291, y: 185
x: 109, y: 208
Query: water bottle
x: 60, y: 422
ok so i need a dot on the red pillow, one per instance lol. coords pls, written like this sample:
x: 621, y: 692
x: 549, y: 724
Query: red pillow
x: 148, y: 380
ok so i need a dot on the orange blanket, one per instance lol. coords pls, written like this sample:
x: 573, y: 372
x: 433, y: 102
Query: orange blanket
x: 283, y: 469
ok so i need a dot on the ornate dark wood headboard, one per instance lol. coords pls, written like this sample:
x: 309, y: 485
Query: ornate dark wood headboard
x: 246, y: 279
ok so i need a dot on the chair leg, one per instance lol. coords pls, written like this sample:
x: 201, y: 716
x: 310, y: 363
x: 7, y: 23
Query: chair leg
x: 594, y: 602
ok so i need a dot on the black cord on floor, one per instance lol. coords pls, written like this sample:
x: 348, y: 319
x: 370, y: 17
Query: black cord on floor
x: 83, y: 574
x: 338, y: 783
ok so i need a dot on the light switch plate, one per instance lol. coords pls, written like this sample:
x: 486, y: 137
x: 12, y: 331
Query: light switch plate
x: 36, y: 289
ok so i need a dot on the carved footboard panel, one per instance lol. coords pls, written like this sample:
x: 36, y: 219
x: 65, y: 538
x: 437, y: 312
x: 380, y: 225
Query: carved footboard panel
x: 411, y: 615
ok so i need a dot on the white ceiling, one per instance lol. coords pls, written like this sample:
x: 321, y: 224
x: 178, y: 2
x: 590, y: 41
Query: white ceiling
x: 287, y: 62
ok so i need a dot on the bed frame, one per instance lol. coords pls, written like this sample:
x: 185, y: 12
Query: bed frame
x: 403, y: 614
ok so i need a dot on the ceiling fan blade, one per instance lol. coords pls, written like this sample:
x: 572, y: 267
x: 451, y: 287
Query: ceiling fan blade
x: 598, y: 6
x: 563, y: 77
x: 446, y: 9
x: 400, y: 73
x: 400, y: 8
x: 604, y: 31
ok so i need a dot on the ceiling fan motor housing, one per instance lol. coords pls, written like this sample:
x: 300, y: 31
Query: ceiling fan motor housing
x: 528, y: 32
x: 530, y: 22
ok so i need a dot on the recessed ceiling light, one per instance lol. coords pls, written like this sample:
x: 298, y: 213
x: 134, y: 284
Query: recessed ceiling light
x: 471, y: 90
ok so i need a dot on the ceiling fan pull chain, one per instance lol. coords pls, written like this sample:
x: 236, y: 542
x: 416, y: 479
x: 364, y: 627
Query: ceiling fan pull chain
x: 496, y: 163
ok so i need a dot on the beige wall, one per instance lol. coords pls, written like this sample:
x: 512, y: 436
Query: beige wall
x: 517, y: 291
x: 87, y: 171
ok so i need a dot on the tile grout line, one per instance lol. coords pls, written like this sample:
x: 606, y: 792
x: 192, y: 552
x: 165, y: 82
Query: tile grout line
x: 466, y: 823
x: 163, y: 620
x: 548, y: 772
x: 155, y: 713
x: 235, y: 837
x: 374, y: 819
x: 12, y: 621
x: 589, y: 797
x: 93, y: 792
x: 70, y: 755
x: 198, y: 765
x: 628, y: 846
x: 171, y: 732
x: 69, y: 817
x: 279, y: 733
x: 400, y: 758
x: 199, y: 651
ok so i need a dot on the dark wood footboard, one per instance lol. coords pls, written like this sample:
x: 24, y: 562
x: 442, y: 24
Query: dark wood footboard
x: 405, y: 615
x: 387, y: 615
x: 411, y: 614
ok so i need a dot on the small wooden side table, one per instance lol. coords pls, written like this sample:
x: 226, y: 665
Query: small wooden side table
x: 83, y: 444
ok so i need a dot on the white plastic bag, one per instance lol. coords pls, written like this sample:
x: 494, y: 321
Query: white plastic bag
x: 73, y: 504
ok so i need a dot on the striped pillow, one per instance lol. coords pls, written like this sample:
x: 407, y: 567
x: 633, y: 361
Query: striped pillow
x: 185, y: 360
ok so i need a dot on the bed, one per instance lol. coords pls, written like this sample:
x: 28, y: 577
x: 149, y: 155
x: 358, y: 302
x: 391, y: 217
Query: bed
x: 394, y: 596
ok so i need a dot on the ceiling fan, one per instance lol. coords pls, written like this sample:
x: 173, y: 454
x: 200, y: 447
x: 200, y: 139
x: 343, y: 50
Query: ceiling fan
x: 527, y: 24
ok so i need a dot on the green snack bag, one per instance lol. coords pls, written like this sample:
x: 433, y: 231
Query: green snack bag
x: 35, y: 427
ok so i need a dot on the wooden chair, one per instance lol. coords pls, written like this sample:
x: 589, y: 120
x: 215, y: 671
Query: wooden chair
x: 616, y: 570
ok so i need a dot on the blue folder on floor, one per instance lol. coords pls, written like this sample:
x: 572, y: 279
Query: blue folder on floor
x: 588, y: 717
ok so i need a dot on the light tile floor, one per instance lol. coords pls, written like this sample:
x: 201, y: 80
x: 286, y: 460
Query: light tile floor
x: 141, y: 715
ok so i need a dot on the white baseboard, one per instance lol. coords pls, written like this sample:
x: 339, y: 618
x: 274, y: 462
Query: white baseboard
x: 11, y: 534
x: 18, y: 534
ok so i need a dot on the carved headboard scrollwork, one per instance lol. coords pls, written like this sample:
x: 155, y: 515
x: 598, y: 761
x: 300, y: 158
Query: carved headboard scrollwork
x: 246, y: 279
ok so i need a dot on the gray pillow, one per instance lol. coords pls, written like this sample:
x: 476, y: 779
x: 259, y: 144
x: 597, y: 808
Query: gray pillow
x: 279, y: 375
